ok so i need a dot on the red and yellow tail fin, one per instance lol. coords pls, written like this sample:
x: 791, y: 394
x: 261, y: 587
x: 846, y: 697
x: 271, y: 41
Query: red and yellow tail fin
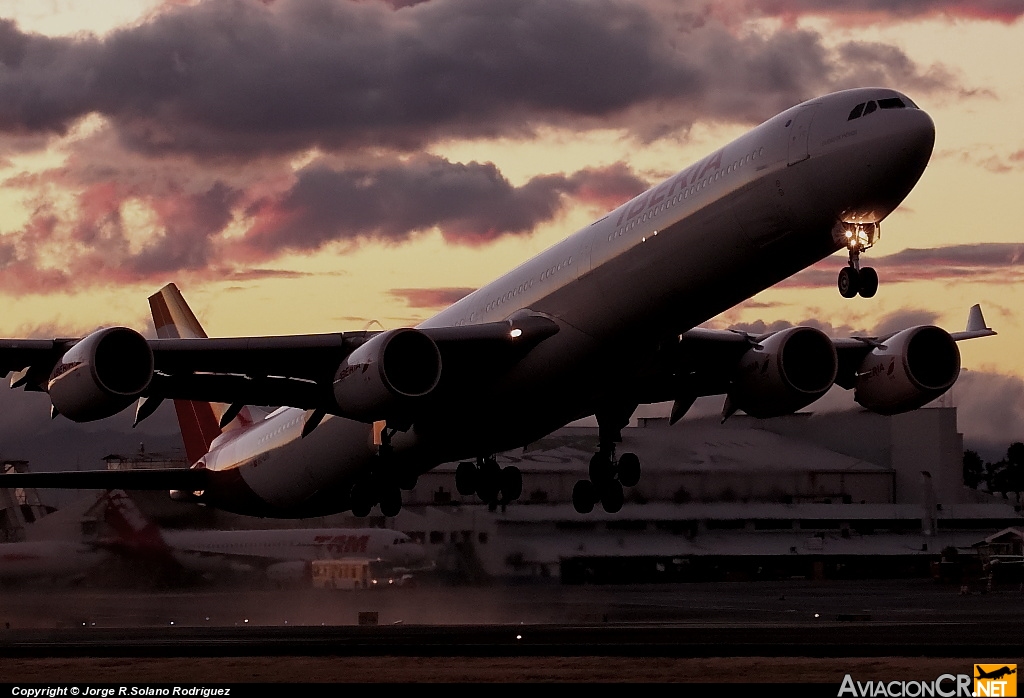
x: 199, y: 421
x: 132, y: 528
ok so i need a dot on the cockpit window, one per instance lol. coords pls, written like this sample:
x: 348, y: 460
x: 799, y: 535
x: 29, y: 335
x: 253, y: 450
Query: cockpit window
x: 863, y: 109
x: 892, y: 103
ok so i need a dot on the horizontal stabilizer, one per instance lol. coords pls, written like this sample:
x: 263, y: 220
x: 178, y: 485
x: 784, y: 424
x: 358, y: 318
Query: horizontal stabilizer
x: 976, y: 326
x: 157, y: 479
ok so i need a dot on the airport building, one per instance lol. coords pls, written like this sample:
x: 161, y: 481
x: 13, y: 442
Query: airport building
x: 841, y: 494
x: 845, y: 494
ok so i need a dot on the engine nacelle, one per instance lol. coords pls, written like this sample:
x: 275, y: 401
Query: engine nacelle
x: 788, y: 370
x: 101, y: 375
x: 913, y: 368
x: 381, y: 378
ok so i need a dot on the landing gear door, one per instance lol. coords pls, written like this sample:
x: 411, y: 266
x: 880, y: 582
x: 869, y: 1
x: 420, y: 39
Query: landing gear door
x: 799, y: 130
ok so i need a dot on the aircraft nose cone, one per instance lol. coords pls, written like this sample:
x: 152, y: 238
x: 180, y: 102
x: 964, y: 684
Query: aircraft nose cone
x: 919, y: 132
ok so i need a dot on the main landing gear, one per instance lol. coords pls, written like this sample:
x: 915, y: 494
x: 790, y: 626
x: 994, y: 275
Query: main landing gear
x: 382, y: 484
x: 492, y: 483
x: 608, y: 475
x: 854, y: 278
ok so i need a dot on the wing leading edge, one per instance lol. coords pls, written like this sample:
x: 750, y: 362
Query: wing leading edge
x: 705, y: 362
x: 293, y: 371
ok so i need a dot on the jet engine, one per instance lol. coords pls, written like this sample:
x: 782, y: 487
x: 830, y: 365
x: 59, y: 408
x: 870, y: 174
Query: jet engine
x: 380, y: 378
x: 101, y: 375
x: 784, y: 372
x: 911, y: 369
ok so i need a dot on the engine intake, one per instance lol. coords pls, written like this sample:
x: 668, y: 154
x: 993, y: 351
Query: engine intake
x: 913, y: 368
x: 382, y: 377
x: 101, y: 375
x: 787, y: 371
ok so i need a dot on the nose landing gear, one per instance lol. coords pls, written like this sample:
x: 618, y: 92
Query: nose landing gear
x: 854, y: 279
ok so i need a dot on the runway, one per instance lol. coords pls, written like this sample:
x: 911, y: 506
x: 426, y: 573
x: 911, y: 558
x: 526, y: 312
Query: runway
x: 512, y: 629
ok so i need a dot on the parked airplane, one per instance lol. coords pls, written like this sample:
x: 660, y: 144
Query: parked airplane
x: 54, y: 559
x: 280, y: 555
x: 597, y: 324
x: 61, y: 554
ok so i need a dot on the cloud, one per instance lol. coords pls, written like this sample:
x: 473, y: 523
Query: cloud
x: 241, y: 78
x: 990, y: 410
x: 902, y: 319
x: 888, y: 324
x: 875, y: 11
x: 470, y: 203
x: 987, y: 262
x: 128, y: 219
x: 988, y: 157
x: 430, y: 297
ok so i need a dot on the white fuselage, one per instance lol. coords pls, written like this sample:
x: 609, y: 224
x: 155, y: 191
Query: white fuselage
x: 262, y: 550
x: 725, y: 228
x: 53, y: 559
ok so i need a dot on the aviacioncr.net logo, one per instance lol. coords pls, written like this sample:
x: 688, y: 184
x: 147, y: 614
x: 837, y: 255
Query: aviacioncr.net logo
x: 945, y: 686
x: 995, y: 680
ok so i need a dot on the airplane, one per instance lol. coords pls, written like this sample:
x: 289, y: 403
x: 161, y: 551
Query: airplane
x: 53, y: 559
x: 61, y: 553
x: 995, y: 674
x: 279, y: 555
x: 605, y: 320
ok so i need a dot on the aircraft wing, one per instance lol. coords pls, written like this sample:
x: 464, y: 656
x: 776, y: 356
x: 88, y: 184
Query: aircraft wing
x: 703, y: 361
x: 294, y: 371
x: 162, y: 479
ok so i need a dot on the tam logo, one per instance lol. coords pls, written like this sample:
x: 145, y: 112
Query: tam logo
x: 343, y: 544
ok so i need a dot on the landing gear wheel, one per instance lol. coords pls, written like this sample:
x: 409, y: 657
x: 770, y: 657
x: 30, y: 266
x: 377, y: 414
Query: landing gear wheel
x: 612, y: 497
x: 465, y: 479
x: 584, y: 496
x: 362, y: 500
x: 488, y: 484
x: 868, y: 282
x: 511, y: 483
x: 629, y: 469
x: 849, y: 282
x: 407, y: 480
x: 601, y: 468
x: 391, y: 501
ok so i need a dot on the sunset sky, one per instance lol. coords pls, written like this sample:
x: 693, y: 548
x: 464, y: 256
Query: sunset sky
x: 316, y: 165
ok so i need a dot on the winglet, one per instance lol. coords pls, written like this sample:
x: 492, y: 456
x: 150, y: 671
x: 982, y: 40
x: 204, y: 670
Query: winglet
x: 975, y: 320
x: 976, y: 326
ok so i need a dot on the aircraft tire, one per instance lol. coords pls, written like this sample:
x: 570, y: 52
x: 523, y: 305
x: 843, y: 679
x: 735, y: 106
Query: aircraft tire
x: 407, y: 480
x: 584, y: 496
x: 849, y: 282
x: 465, y: 479
x: 868, y: 282
x: 629, y: 469
x: 488, y: 483
x: 362, y: 499
x: 511, y: 483
x: 391, y: 501
x: 600, y: 469
x: 612, y: 497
